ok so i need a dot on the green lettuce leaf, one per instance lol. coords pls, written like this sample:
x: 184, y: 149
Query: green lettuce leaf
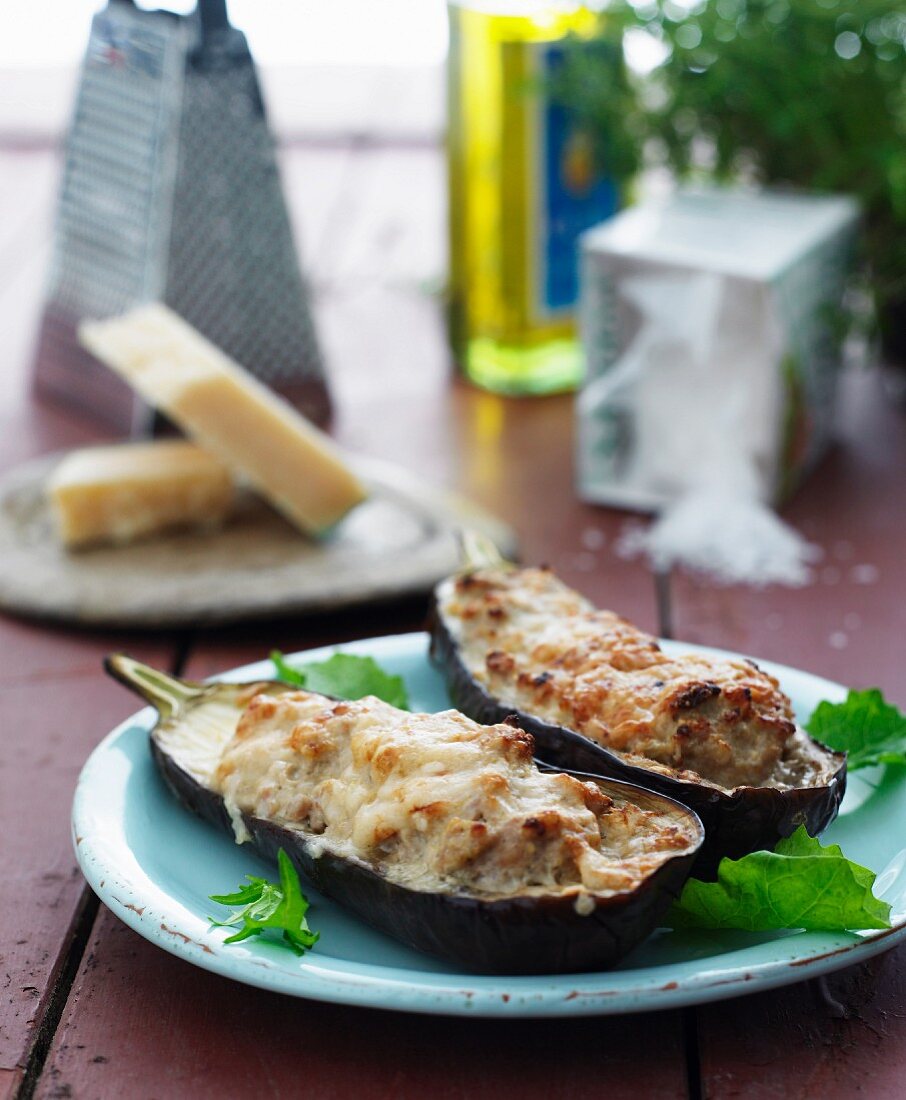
x: 344, y: 676
x: 801, y: 884
x: 868, y: 728
x: 267, y: 905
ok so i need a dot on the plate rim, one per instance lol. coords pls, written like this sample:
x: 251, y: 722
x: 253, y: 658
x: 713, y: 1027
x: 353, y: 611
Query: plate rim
x: 441, y: 513
x: 389, y: 987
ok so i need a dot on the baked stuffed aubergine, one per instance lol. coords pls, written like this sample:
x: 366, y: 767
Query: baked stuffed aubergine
x: 601, y: 696
x: 438, y: 831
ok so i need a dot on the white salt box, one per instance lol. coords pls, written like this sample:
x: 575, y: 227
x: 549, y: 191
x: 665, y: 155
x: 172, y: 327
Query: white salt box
x: 711, y: 325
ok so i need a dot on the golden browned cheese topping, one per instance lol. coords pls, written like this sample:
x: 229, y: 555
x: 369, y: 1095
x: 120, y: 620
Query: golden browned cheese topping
x: 541, y: 648
x: 436, y: 801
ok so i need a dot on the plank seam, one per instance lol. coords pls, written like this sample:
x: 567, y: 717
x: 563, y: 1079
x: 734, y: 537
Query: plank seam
x: 47, y: 1028
x: 82, y: 927
x: 663, y: 600
x: 184, y: 645
x: 693, y: 1054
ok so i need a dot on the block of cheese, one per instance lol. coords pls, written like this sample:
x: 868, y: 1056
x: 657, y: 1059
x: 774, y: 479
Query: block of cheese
x: 228, y: 412
x: 128, y: 491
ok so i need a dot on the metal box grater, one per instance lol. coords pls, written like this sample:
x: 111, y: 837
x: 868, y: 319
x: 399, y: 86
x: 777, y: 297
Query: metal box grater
x: 171, y: 192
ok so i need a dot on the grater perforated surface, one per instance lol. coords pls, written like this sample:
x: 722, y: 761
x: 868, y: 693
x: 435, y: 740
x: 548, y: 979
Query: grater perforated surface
x: 232, y: 264
x: 113, y: 216
x: 171, y: 192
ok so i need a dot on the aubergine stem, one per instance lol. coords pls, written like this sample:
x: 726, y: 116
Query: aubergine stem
x: 164, y: 692
x: 478, y: 551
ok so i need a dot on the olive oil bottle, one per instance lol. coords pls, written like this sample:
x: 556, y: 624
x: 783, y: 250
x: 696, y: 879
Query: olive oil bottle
x: 522, y: 187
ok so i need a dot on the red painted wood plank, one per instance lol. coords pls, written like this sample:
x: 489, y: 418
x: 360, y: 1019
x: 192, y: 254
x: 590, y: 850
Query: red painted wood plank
x: 39, y: 652
x: 10, y: 1080
x: 49, y: 726
x: 836, y: 1039
x: 29, y: 429
x: 142, y: 1023
x: 845, y: 625
x: 56, y: 702
x: 217, y: 650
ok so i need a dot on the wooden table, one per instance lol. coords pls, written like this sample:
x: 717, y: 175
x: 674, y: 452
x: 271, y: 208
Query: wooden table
x: 89, y: 1009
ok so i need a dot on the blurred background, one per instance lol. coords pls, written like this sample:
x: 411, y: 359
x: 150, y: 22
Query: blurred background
x: 803, y: 93
x: 322, y: 64
x: 440, y: 164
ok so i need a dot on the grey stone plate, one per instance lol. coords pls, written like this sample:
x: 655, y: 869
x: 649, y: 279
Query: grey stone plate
x: 398, y: 543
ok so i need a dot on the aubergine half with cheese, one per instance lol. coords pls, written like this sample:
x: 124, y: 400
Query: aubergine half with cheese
x: 601, y: 696
x: 438, y: 831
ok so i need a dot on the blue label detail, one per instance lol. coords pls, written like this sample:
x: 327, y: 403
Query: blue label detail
x: 574, y: 196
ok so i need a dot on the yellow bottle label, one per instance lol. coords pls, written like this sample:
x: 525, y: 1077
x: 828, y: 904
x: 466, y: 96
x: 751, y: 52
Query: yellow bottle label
x: 522, y: 189
x: 567, y: 195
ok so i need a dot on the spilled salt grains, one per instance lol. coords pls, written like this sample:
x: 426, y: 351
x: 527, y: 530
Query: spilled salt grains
x: 865, y: 574
x: 593, y: 539
x: 750, y: 544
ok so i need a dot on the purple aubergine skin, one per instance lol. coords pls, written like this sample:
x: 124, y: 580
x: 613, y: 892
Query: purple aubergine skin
x: 519, y: 935
x: 736, y: 822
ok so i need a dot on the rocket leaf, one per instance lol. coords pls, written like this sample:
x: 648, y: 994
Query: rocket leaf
x: 267, y: 905
x: 344, y: 676
x: 868, y: 728
x: 801, y: 884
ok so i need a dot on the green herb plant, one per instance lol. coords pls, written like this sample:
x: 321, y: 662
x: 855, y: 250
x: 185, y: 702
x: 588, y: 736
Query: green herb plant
x: 805, y: 94
x: 865, y: 726
x: 266, y: 905
x: 801, y: 884
x: 800, y: 93
x: 596, y: 91
x: 344, y: 676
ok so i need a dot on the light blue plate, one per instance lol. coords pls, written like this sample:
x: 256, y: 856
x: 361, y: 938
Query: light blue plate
x: 154, y: 865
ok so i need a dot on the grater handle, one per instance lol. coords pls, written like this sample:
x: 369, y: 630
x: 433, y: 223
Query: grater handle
x: 213, y: 16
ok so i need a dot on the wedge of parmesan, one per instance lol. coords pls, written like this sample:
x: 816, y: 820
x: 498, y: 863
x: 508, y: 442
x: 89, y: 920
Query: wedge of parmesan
x: 129, y: 491
x: 228, y: 412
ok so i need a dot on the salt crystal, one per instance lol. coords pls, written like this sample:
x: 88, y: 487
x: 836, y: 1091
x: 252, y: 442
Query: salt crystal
x: 582, y: 561
x: 865, y: 574
x: 630, y: 542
